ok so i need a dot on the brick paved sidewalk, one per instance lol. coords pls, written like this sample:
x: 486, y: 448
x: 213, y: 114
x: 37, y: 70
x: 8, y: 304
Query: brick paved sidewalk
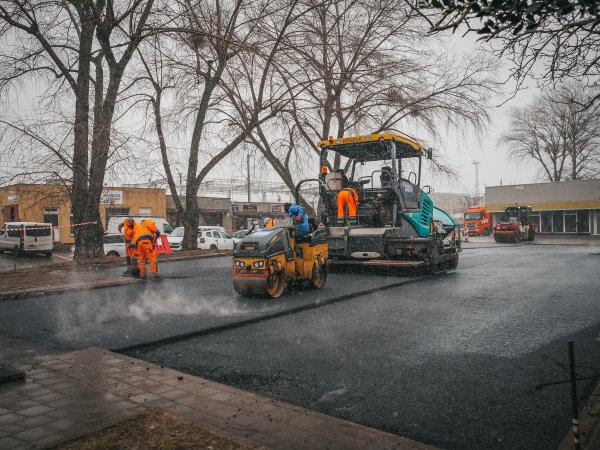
x: 69, y: 395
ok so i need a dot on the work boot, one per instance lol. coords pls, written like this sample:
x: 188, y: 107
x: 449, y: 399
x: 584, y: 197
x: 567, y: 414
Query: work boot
x: 142, y: 276
x: 155, y: 277
x: 135, y: 272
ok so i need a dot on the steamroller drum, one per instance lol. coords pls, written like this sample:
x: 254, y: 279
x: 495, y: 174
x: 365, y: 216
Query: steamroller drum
x: 271, y: 286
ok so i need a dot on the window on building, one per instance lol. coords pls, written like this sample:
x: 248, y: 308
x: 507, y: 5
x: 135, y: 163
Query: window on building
x: 276, y: 208
x: 557, y: 221
x: 570, y: 221
x: 145, y: 211
x: 111, y: 212
x: 51, y: 216
x: 546, y: 217
x: 535, y: 218
x: 583, y: 221
x: 250, y: 208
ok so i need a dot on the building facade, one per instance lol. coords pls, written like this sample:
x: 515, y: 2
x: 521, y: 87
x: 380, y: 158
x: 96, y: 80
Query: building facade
x: 212, y: 211
x: 565, y: 207
x: 246, y: 213
x: 52, y: 204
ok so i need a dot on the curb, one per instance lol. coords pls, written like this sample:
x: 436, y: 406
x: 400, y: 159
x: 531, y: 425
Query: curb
x: 589, y: 425
x: 15, y: 295
x: 38, y: 292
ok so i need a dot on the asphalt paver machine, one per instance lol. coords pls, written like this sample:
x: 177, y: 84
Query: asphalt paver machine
x: 395, y: 221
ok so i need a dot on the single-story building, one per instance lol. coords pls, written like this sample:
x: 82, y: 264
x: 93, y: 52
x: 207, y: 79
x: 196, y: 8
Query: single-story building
x: 245, y: 213
x: 564, y: 207
x: 51, y: 203
x: 213, y: 211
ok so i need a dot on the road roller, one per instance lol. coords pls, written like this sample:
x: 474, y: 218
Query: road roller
x: 269, y: 260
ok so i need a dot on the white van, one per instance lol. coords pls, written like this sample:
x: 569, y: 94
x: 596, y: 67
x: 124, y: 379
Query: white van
x: 26, y: 237
x: 113, y: 223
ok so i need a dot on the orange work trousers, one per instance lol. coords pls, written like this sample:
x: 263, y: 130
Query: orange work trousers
x: 146, y: 252
x: 347, y: 198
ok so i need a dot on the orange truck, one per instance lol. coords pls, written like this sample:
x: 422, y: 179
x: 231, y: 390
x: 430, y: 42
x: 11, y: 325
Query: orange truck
x: 477, y: 221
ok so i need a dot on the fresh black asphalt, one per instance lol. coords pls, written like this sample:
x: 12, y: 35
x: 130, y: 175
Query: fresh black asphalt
x: 475, y: 358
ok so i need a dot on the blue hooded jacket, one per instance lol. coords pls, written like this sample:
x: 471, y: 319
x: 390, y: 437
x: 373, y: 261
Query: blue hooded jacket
x: 302, y: 227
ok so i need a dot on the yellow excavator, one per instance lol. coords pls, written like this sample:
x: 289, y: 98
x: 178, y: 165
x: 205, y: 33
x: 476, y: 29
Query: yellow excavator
x: 269, y: 260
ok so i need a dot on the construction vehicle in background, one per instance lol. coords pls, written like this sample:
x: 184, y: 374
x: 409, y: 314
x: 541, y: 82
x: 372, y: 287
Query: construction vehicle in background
x: 478, y: 221
x: 515, y: 225
x: 268, y: 260
x: 394, y: 222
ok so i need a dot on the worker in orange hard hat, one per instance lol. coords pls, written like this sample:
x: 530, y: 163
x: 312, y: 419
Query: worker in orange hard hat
x: 144, y: 237
x: 347, y: 203
x: 127, y: 229
x: 268, y: 222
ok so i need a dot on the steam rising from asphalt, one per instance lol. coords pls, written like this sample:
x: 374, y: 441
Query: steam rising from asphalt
x: 153, y: 304
x: 91, y: 314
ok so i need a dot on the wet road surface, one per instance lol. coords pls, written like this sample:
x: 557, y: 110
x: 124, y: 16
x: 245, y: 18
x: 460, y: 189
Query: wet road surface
x: 474, y: 358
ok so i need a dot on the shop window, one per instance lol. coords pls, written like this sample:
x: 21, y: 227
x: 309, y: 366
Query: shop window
x: 546, y: 217
x: 583, y: 221
x: 557, y: 221
x: 145, y: 211
x: 570, y: 222
x: 535, y: 219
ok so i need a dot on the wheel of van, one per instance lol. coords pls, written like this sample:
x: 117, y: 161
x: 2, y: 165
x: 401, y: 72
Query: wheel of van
x: 487, y: 232
x: 48, y: 254
x: 213, y: 247
x: 112, y: 253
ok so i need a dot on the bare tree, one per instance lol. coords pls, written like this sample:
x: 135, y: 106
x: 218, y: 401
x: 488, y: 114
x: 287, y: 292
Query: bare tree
x: 221, y: 56
x: 562, y: 37
x: 357, y: 66
x: 81, y: 49
x: 556, y: 133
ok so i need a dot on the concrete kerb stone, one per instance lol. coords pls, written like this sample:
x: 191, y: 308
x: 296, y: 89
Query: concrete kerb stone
x: 218, y: 407
x: 589, y: 425
x: 41, y: 291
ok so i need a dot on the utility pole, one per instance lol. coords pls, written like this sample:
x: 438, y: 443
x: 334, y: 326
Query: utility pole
x: 476, y: 164
x: 248, y: 172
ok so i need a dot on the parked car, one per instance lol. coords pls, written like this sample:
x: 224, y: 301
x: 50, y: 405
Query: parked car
x: 175, y: 238
x: 26, y: 237
x: 215, y: 239
x: 208, y: 237
x: 114, y: 245
x: 113, y: 223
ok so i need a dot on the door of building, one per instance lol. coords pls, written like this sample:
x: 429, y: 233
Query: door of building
x: 10, y: 213
x: 51, y: 216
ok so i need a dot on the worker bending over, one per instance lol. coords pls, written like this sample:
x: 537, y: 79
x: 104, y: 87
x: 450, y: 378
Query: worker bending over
x: 127, y: 228
x: 144, y: 239
x: 347, y: 203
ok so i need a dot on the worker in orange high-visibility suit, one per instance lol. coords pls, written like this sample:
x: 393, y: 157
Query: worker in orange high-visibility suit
x: 143, y: 238
x: 127, y: 229
x: 347, y: 199
x: 268, y: 222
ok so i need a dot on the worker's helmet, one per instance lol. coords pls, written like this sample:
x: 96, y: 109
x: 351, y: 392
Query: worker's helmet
x: 130, y: 221
x: 266, y: 221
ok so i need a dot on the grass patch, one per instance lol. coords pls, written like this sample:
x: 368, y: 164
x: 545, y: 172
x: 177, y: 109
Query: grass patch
x: 155, y: 430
